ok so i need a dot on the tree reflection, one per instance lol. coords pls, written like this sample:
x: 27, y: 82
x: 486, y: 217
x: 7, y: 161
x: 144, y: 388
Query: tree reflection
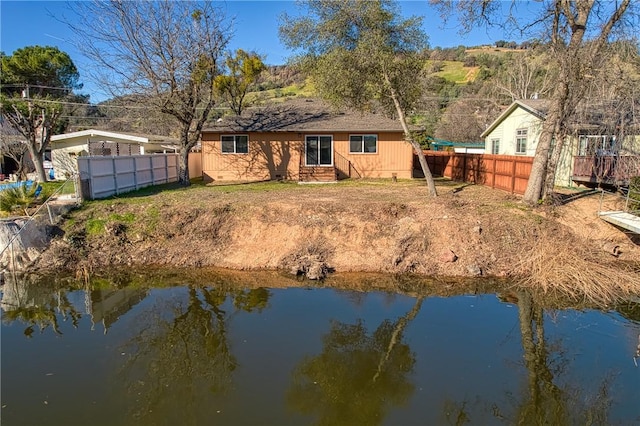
x: 358, y: 375
x: 545, y: 402
x: 36, y: 305
x: 177, y: 360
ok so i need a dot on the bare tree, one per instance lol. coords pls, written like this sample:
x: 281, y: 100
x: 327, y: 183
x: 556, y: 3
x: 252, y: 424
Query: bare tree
x: 165, y: 52
x: 16, y: 150
x: 526, y: 75
x: 577, y: 32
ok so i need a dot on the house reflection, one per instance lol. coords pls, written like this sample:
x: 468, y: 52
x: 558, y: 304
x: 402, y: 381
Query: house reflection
x: 106, y: 306
x: 40, y: 304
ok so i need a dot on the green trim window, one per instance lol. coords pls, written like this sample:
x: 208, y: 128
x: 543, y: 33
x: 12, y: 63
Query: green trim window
x: 495, y: 146
x: 234, y: 144
x: 521, y: 141
x: 363, y: 144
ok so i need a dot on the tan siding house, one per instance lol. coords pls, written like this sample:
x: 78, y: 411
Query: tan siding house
x: 304, y: 140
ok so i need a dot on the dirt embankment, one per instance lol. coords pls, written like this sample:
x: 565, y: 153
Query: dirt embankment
x: 368, y: 226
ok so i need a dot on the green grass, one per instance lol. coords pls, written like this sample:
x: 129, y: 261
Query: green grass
x: 95, y: 227
x: 456, y: 72
x: 127, y: 217
x: 65, y: 187
x: 151, y: 220
x: 304, y: 90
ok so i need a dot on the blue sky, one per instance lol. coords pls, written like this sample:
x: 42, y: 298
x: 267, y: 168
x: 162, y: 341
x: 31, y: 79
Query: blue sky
x: 27, y: 23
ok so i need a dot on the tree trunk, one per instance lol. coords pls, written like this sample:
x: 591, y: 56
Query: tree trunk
x: 183, y: 167
x: 37, y: 160
x: 550, y: 179
x: 431, y: 186
x: 550, y: 127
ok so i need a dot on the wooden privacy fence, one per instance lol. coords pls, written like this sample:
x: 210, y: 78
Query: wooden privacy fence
x: 101, y: 177
x: 506, y: 172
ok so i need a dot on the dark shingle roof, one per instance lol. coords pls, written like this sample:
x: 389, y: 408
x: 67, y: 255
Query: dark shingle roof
x: 539, y: 107
x: 304, y: 115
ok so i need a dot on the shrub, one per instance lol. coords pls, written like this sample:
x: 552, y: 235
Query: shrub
x: 19, y: 198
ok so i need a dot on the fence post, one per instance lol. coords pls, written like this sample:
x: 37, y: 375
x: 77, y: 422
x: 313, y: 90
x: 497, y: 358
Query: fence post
x: 115, y: 174
x: 153, y: 177
x: 513, y: 176
x: 464, y: 166
x: 135, y: 173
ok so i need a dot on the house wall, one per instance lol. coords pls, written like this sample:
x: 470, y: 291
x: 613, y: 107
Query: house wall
x: 276, y: 155
x: 64, y: 156
x: 394, y: 156
x: 506, y: 133
x: 522, y: 119
x: 271, y: 156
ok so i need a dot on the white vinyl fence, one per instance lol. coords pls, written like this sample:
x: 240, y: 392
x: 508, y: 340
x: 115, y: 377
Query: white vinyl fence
x: 101, y: 177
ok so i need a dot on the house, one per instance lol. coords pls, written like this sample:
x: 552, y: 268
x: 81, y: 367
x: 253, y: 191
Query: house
x: 65, y: 148
x: 591, y: 155
x: 304, y: 140
x: 458, y: 147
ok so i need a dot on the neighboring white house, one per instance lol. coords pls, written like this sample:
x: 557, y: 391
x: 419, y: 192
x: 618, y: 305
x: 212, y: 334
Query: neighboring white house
x: 590, y: 155
x: 517, y: 131
x: 67, y: 147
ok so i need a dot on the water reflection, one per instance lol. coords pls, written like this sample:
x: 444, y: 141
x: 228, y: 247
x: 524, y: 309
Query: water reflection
x: 148, y: 350
x: 36, y: 306
x: 546, y: 401
x: 183, y: 349
x: 358, y: 375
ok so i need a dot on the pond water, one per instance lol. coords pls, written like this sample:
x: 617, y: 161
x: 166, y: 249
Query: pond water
x: 227, y: 354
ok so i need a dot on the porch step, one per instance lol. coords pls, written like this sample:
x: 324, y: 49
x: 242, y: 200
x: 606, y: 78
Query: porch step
x: 317, y: 174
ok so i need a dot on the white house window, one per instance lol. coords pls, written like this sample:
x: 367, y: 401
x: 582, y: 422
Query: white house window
x: 521, y: 141
x: 235, y: 144
x: 363, y: 144
x: 495, y: 146
x: 596, y: 145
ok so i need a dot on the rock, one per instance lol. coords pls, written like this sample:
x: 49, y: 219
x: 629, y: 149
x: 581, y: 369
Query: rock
x: 22, y: 242
x: 317, y: 271
x: 474, y: 270
x: 477, y: 229
x: 310, y: 266
x: 448, y: 256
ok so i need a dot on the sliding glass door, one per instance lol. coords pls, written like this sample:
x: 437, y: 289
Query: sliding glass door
x: 319, y: 150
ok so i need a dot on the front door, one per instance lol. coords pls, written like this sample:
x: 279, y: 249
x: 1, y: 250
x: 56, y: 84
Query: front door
x: 319, y: 150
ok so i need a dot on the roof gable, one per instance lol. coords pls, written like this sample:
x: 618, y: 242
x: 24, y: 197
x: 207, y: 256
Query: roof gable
x: 535, y: 107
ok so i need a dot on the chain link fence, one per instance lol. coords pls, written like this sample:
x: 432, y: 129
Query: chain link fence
x: 23, y: 238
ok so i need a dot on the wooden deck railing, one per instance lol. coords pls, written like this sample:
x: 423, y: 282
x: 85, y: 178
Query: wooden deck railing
x: 606, y: 169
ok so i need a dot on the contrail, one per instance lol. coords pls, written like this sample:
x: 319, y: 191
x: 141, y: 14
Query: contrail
x: 57, y: 38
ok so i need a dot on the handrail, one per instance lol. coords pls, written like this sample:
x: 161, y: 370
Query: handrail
x: 345, y: 166
x: 626, y: 196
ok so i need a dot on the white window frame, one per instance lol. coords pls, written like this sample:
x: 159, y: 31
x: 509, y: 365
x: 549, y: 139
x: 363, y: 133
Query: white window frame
x: 520, y: 135
x: 235, y: 143
x: 495, y: 146
x: 362, y: 141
